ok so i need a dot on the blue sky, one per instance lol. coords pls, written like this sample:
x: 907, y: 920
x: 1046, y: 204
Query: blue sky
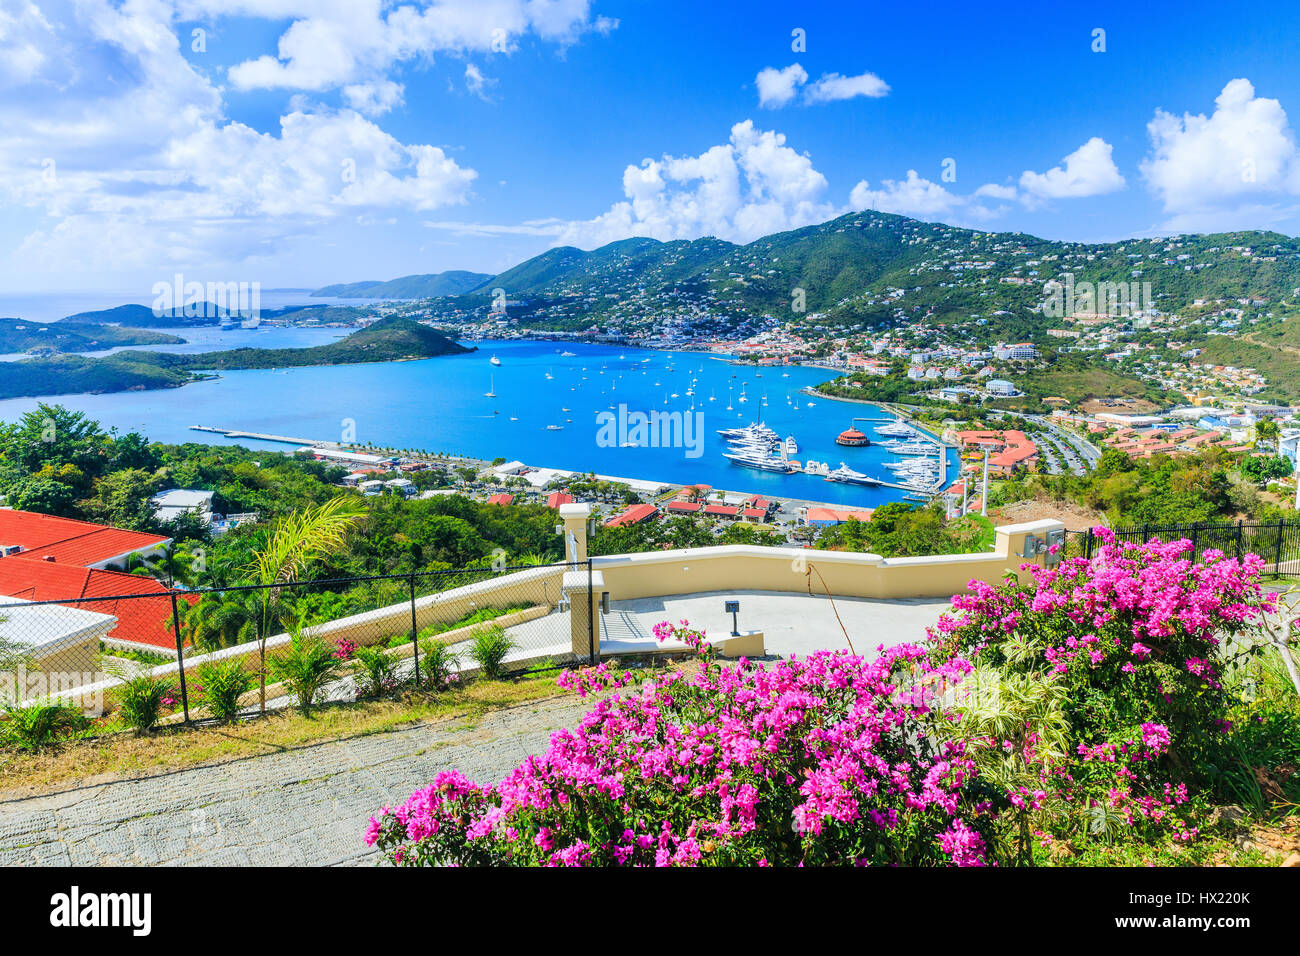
x: 299, y: 142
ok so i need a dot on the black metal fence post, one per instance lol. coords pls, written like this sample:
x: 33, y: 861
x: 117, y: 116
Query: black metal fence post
x: 1196, y: 527
x: 591, y: 618
x: 180, y: 657
x: 415, y: 642
x: 1089, y: 545
x: 1238, y: 540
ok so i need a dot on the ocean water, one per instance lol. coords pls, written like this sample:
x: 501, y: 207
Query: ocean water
x: 440, y: 405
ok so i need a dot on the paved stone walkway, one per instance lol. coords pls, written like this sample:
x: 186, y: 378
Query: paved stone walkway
x: 308, y: 806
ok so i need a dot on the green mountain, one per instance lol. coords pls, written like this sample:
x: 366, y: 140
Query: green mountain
x: 389, y: 340
x: 855, y: 267
x: 432, y: 285
x: 19, y: 335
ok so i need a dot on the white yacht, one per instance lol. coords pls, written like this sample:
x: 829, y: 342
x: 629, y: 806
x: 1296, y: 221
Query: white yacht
x: 494, y: 360
x: 846, y: 474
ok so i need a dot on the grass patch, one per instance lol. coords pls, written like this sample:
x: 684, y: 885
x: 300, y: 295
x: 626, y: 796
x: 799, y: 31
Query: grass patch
x: 179, y: 747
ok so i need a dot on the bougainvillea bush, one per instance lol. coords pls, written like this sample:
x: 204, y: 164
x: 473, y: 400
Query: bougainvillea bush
x: 1096, y: 698
x: 817, y: 760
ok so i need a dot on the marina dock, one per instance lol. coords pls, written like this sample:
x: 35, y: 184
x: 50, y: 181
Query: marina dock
x: 942, y: 481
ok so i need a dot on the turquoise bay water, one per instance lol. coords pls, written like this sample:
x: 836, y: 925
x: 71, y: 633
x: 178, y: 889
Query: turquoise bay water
x: 439, y: 405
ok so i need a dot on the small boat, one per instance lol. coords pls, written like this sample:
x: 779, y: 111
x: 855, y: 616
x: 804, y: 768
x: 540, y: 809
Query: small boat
x: 494, y: 360
x: 555, y: 428
x: 568, y: 355
x: 491, y: 392
x: 548, y: 374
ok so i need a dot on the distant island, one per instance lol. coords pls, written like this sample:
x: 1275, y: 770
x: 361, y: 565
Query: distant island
x: 209, y: 314
x: 433, y: 285
x: 20, y: 335
x: 388, y: 340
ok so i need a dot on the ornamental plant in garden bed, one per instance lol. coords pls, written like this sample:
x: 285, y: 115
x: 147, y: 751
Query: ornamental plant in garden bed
x: 1096, y: 705
x: 818, y: 760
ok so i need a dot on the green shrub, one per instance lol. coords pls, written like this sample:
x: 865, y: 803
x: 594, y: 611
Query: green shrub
x: 140, y: 701
x: 221, y: 684
x: 306, y: 667
x: 376, y: 671
x: 437, y: 665
x: 489, y: 648
x: 39, y: 724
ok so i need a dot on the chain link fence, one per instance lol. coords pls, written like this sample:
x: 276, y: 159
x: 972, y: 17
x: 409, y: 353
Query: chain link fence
x: 241, y: 643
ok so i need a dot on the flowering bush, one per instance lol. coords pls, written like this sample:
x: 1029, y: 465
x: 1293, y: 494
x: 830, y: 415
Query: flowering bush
x: 1132, y: 634
x: 819, y: 760
x: 1097, y: 696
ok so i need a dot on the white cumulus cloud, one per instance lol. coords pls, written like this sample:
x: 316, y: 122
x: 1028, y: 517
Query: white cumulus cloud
x: 1230, y: 169
x: 1088, y: 171
x: 922, y: 198
x: 147, y: 171
x: 334, y: 42
x: 750, y: 186
x: 776, y: 87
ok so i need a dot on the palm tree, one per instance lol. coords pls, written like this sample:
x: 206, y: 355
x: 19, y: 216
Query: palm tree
x: 292, y: 545
x: 221, y: 618
x: 1266, y: 431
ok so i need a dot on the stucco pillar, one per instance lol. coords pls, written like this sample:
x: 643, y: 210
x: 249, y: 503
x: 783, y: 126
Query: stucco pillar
x: 575, y: 518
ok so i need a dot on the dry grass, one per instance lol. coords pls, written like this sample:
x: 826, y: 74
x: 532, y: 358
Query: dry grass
x: 1075, y: 516
x: 122, y: 755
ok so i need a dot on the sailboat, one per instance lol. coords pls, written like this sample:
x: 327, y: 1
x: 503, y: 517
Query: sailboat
x: 491, y: 392
x: 712, y: 397
x: 743, y: 396
x: 548, y: 374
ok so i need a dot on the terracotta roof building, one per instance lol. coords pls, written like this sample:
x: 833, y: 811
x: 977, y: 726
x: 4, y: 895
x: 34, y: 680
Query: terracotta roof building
x: 142, y: 622
x: 633, y: 515
x: 72, y: 542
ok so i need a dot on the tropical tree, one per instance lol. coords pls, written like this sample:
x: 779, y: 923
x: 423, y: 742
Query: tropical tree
x: 293, y: 544
x: 222, y: 618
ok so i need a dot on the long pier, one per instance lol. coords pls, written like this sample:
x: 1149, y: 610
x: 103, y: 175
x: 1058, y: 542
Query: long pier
x: 259, y: 436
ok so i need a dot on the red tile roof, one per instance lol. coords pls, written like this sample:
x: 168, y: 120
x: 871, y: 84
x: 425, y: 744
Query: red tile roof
x: 725, y: 511
x: 838, y: 516
x: 501, y: 499
x: 557, y: 498
x: 684, y: 506
x: 145, y: 621
x: 757, y: 513
x: 71, y: 542
x: 633, y: 515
